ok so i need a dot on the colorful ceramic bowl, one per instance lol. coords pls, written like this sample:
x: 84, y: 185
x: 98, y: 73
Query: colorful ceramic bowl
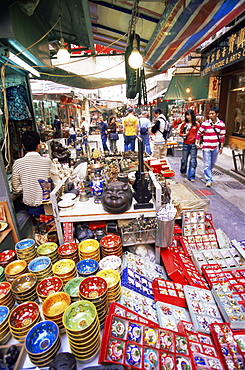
x: 4, y: 313
x: 79, y: 316
x: 110, y: 262
x: 67, y: 249
x: 88, y: 246
x: 24, y: 244
x: 112, y: 277
x: 47, y: 248
x: 72, y: 287
x: 110, y: 241
x: 24, y: 283
x: 15, y: 268
x: 39, y: 264
x: 49, y: 286
x: 23, y: 316
x: 93, y: 287
x: 63, y: 267
x: 56, y: 304
x: 87, y: 267
x: 3, y: 225
x: 41, y: 338
x: 7, y: 256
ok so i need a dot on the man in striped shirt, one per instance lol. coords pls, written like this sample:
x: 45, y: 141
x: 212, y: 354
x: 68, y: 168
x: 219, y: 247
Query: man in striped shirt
x: 213, y: 132
x: 28, y: 170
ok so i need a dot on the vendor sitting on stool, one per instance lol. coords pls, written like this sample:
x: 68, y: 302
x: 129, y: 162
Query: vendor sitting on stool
x: 28, y: 170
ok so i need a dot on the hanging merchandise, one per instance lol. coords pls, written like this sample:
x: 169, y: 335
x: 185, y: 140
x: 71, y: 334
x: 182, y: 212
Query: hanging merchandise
x: 18, y: 103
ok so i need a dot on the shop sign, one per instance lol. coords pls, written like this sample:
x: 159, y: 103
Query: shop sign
x: 230, y: 51
x: 213, y: 88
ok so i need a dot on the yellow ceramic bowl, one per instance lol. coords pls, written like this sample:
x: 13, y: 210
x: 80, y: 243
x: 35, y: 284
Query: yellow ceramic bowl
x: 63, y: 267
x: 112, y: 277
x: 56, y: 304
x: 15, y: 268
x: 88, y: 246
x: 47, y: 249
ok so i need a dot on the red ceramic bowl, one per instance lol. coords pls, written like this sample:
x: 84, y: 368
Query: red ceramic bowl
x: 110, y: 241
x: 93, y: 287
x: 7, y: 256
x: 23, y: 315
x: 67, y: 249
x: 5, y: 287
x: 49, y: 286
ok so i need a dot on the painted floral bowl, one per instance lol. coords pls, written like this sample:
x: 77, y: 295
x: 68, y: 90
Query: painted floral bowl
x: 67, y: 249
x: 24, y: 315
x: 110, y: 241
x: 7, y: 256
x: 87, y: 267
x: 88, y: 246
x: 112, y: 277
x: 110, y: 262
x: 24, y: 244
x: 63, y: 267
x: 93, y: 287
x: 56, y: 304
x: 5, y: 288
x: 79, y: 316
x: 24, y: 283
x: 47, y: 248
x: 41, y: 338
x: 39, y: 264
x: 49, y: 286
x: 72, y: 287
x: 4, y: 313
x: 15, y: 268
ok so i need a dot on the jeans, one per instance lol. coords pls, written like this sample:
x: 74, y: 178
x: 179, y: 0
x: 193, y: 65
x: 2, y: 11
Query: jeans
x: 189, y: 150
x: 129, y: 143
x: 72, y: 138
x: 104, y: 140
x: 113, y: 146
x: 209, y: 159
x: 146, y: 143
x: 35, y: 211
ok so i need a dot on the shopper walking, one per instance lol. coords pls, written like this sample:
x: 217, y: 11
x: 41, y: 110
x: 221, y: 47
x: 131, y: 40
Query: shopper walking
x: 57, y: 128
x: 103, y: 133
x: 160, y: 143
x: 213, y: 132
x: 28, y: 170
x: 113, y: 135
x: 144, y: 128
x: 188, y: 130
x: 73, y: 135
x: 130, y: 130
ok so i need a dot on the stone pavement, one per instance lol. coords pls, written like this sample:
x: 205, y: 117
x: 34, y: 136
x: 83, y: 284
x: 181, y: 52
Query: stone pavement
x: 227, y: 194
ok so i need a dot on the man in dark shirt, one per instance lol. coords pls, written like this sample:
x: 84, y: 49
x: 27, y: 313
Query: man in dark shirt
x: 57, y: 127
x: 103, y: 133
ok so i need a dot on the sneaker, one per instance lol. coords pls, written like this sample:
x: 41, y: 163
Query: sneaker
x: 192, y: 180
x: 209, y: 184
x: 183, y: 174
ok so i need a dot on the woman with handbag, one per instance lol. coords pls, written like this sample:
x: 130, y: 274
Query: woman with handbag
x: 113, y: 135
x: 188, y: 130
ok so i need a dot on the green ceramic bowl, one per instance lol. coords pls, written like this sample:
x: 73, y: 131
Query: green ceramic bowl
x: 79, y: 316
x: 72, y: 287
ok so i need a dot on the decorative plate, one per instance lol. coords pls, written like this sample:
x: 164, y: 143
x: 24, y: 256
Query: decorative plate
x: 3, y: 225
x: 133, y: 355
x: 115, y: 350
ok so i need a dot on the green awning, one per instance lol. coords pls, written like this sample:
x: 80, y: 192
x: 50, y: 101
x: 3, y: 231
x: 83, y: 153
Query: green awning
x: 177, y: 88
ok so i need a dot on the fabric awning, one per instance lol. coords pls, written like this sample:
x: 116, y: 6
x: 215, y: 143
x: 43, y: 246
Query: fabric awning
x: 177, y: 88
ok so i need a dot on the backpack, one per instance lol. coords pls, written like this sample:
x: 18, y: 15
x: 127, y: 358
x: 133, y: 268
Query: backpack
x: 167, y: 132
x: 143, y: 130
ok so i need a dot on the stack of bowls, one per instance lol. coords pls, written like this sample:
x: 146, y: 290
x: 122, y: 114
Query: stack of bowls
x: 54, y: 306
x: 6, y: 257
x: 6, y: 295
x: 43, y: 343
x: 65, y: 269
x: 111, y: 245
x: 24, y: 288
x: 50, y: 250
x: 26, y: 250
x: 83, y: 330
x: 111, y: 263
x: 87, y: 267
x: 41, y: 267
x: 5, y: 332
x: 89, y: 248
x: 112, y: 277
x: 68, y: 250
x: 2, y: 275
x: 22, y: 319
x: 15, y: 269
x: 72, y: 288
x: 49, y: 286
x: 94, y: 289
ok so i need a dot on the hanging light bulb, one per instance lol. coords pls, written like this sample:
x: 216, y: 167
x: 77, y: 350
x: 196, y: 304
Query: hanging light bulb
x: 63, y: 54
x: 135, y: 59
x: 188, y: 90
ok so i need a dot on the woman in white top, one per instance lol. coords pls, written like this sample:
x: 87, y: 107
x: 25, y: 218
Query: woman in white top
x: 73, y: 135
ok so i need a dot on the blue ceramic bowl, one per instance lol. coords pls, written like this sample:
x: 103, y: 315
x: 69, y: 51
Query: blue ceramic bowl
x: 24, y: 244
x: 87, y: 267
x: 39, y: 264
x: 41, y: 338
x: 4, y: 311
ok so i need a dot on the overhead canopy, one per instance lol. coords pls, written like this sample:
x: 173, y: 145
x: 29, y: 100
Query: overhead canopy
x: 198, y: 88
x: 168, y: 31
